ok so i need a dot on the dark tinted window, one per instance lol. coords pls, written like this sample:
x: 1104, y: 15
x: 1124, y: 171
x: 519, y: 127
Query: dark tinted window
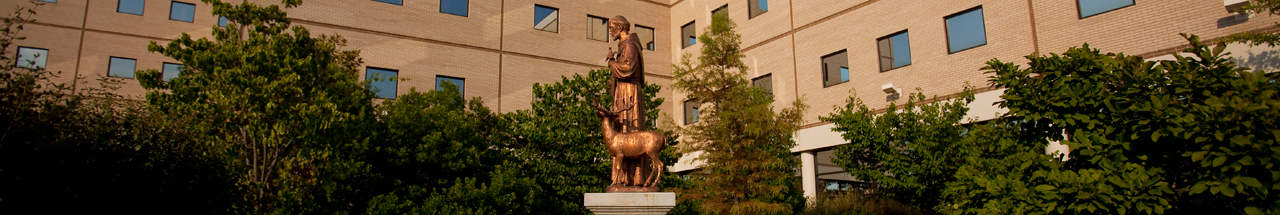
x: 181, y: 11
x: 170, y: 71
x: 646, y: 37
x: 1094, y: 7
x: 895, y: 51
x: 130, y: 6
x: 546, y: 18
x: 382, y: 81
x: 691, y: 112
x: 32, y: 58
x: 688, y: 35
x: 757, y: 7
x: 764, y: 82
x: 965, y: 30
x: 835, y: 68
x: 395, y: 2
x: 461, y: 83
x: 455, y: 7
x: 121, y: 67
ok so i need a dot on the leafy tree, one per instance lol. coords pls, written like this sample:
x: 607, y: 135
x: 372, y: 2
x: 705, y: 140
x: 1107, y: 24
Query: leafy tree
x: 909, y: 153
x: 283, y: 109
x: 1192, y: 135
x: 90, y: 151
x: 746, y: 144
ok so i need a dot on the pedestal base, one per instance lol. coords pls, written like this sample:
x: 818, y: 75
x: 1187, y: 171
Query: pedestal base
x: 620, y: 188
x: 629, y: 203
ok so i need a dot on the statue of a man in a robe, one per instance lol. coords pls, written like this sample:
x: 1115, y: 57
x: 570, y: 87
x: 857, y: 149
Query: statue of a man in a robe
x: 627, y: 80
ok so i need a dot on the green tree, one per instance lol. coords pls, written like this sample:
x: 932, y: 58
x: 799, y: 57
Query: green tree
x: 90, y: 151
x: 746, y: 144
x: 1193, y: 135
x: 909, y: 153
x: 283, y: 109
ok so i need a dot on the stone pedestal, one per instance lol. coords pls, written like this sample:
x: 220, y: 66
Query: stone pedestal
x: 629, y: 203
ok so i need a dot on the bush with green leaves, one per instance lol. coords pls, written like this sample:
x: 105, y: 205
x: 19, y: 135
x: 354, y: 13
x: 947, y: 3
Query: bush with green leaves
x: 910, y: 152
x: 1193, y: 135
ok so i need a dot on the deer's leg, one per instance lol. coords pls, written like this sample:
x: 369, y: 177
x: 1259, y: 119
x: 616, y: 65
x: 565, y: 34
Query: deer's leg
x: 655, y: 170
x: 617, y: 168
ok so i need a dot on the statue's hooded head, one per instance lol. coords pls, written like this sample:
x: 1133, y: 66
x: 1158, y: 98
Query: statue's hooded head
x: 619, y: 27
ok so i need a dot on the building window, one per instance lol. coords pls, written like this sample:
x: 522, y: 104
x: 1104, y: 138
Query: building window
x: 382, y: 81
x: 395, y: 2
x: 965, y: 30
x: 130, y: 6
x: 835, y: 68
x: 1094, y: 7
x: 646, y: 37
x: 122, y: 67
x: 722, y: 11
x: 597, y: 28
x: 222, y: 21
x: 50, y: 1
x: 460, y: 82
x: 688, y: 35
x: 691, y: 111
x: 181, y: 11
x: 32, y: 58
x: 546, y: 18
x: 170, y: 71
x: 757, y: 7
x: 895, y: 51
x: 765, y: 82
x: 455, y: 7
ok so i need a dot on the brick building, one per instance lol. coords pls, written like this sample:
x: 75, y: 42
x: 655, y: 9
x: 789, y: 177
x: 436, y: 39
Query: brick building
x: 821, y: 51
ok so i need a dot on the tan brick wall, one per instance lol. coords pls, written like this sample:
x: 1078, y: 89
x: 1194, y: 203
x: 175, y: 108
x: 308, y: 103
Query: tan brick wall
x: 1147, y: 26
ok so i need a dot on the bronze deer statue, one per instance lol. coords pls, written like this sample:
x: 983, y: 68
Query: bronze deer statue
x: 640, y: 144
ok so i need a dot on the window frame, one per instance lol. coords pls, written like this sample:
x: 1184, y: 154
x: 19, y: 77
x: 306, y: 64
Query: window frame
x: 401, y: 2
x: 466, y: 10
x: 691, y: 104
x: 172, y: 4
x: 181, y: 67
x: 1080, y: 9
x: 142, y: 9
x: 462, y: 89
x: 724, y: 8
x: 893, y: 62
x: 684, y: 43
x: 822, y: 61
x: 652, y: 37
x: 535, y: 18
x: 754, y: 5
x: 606, y: 27
x: 17, y: 60
x: 133, y: 73
x: 395, y: 91
x: 946, y: 29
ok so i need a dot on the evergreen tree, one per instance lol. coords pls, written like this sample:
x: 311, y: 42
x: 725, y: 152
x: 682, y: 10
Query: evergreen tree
x: 749, y: 167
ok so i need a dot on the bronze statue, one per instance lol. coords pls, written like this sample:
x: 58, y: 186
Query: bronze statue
x: 636, y: 166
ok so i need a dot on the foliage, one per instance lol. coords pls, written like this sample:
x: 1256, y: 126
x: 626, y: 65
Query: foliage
x: 909, y: 153
x: 858, y: 204
x: 90, y: 151
x: 282, y: 108
x: 746, y: 144
x: 1192, y: 135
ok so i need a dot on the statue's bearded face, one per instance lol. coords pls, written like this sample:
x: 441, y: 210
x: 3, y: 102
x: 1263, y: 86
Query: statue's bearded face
x: 615, y: 31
